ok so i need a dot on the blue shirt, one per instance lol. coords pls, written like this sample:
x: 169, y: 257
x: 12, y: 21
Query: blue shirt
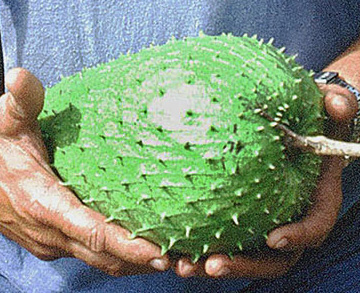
x: 54, y: 38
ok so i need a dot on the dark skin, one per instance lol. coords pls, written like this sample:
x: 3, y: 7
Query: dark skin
x: 44, y: 217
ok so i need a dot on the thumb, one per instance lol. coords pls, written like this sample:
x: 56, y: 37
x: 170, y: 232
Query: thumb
x: 340, y: 103
x: 342, y: 107
x: 23, y: 102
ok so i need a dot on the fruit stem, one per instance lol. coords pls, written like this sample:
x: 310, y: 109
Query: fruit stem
x: 319, y: 145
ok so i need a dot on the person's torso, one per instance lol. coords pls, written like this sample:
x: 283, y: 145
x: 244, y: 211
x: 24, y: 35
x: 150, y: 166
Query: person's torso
x: 55, y: 38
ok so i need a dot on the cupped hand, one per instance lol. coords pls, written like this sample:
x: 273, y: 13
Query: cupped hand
x: 289, y: 241
x: 41, y: 214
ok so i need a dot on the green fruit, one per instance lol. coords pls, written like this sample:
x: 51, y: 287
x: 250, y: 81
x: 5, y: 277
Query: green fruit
x: 169, y: 142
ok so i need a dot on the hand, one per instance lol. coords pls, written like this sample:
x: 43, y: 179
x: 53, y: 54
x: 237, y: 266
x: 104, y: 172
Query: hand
x: 289, y: 241
x: 38, y: 212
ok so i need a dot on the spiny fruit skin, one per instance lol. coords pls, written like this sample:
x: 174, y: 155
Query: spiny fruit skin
x: 169, y: 142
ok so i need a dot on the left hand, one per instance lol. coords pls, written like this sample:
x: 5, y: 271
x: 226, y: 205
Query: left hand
x: 288, y: 242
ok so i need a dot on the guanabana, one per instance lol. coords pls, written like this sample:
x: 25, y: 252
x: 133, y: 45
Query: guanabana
x: 170, y: 142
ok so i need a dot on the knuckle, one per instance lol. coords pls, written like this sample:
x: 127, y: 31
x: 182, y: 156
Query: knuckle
x: 35, y: 211
x: 36, y: 201
x: 96, y: 238
x: 28, y: 210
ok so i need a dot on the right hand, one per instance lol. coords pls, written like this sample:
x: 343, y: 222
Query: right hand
x: 291, y: 240
x: 42, y: 215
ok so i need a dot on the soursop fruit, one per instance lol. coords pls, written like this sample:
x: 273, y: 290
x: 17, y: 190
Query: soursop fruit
x: 170, y: 142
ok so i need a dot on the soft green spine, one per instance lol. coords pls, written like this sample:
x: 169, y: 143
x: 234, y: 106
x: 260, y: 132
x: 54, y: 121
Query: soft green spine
x: 220, y: 190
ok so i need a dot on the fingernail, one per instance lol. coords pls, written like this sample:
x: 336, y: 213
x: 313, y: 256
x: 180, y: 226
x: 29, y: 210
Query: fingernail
x: 216, y: 269
x: 281, y: 243
x: 159, y: 264
x: 187, y: 269
x: 222, y: 272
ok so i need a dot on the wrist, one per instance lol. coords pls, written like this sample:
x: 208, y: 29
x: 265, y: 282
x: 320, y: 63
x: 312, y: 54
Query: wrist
x: 333, y: 77
x: 348, y: 67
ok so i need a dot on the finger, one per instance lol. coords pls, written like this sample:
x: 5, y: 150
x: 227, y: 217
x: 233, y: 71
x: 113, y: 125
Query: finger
x: 219, y: 266
x: 106, y: 262
x: 23, y: 102
x: 49, y: 244
x: 185, y: 268
x: 103, y: 262
x: 98, y: 236
x: 313, y: 229
x: 342, y: 107
x: 39, y: 250
x: 56, y: 206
